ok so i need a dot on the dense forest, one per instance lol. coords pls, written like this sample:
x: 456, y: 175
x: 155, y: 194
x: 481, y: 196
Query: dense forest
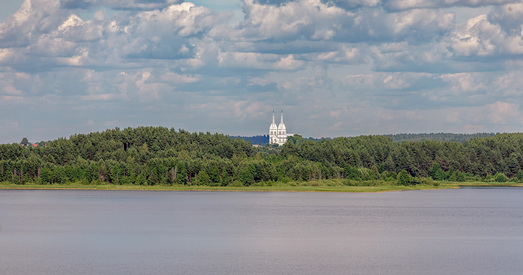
x: 262, y: 140
x: 161, y: 156
x: 437, y: 137
x: 255, y: 140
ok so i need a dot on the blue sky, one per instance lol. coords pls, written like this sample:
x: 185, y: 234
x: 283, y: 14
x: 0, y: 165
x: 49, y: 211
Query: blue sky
x: 336, y: 67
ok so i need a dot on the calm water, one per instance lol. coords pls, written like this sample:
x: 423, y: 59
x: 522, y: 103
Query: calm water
x: 474, y: 231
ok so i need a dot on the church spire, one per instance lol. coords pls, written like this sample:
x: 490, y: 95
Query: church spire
x: 273, y: 118
x: 281, y: 126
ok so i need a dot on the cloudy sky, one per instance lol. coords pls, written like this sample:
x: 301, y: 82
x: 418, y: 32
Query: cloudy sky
x: 336, y: 67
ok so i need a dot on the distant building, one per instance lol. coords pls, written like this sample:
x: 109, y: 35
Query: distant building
x: 27, y: 144
x: 278, y: 134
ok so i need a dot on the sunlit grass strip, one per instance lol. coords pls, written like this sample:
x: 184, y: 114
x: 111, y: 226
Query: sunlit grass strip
x: 487, y: 184
x: 314, y: 186
x: 279, y: 187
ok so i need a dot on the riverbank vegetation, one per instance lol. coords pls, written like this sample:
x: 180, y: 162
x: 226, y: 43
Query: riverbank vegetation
x: 324, y: 186
x: 158, y: 157
x: 318, y: 186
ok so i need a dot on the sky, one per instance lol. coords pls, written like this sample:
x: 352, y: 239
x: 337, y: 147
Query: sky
x: 335, y: 67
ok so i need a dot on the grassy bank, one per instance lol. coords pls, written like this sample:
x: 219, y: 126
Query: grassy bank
x: 488, y: 184
x: 315, y: 186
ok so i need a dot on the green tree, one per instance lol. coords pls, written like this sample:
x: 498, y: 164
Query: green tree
x: 352, y: 173
x: 59, y: 174
x: 225, y: 178
x: 214, y: 174
x: 247, y: 175
x: 436, y: 172
x: 519, y: 176
x: 203, y: 178
x: 24, y: 141
x: 404, y: 178
x: 140, y: 180
x: 46, y: 175
x: 181, y: 174
x: 500, y: 177
x: 457, y: 176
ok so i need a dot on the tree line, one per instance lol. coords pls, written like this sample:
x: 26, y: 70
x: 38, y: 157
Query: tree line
x: 162, y: 156
x: 437, y: 137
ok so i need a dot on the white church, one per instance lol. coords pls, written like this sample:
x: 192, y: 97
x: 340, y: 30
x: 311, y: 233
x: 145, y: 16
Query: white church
x: 278, y: 134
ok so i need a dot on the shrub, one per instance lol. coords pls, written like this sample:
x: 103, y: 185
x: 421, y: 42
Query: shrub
x: 258, y: 184
x: 519, y: 176
x: 348, y: 182
x: 392, y: 175
x: 284, y: 179
x: 352, y: 172
x: 235, y: 184
x: 203, y: 178
x: 415, y: 181
x: 404, y: 178
x: 500, y: 177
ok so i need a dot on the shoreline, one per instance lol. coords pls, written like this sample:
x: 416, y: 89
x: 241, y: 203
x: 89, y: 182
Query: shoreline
x: 339, y: 189
x: 277, y: 188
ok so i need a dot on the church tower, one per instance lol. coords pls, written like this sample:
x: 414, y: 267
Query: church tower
x: 282, y: 131
x: 273, y: 131
x: 277, y: 134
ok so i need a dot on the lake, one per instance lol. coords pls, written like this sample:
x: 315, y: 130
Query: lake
x: 458, y: 231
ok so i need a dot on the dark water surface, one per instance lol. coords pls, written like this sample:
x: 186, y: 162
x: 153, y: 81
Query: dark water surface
x: 461, y: 231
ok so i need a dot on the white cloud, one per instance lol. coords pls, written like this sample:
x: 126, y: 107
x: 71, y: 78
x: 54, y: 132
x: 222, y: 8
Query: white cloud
x: 509, y: 84
x: 288, y: 63
x: 464, y: 82
x: 118, y: 4
x: 184, y: 20
x: 353, y: 4
x: 497, y: 34
x: 258, y: 61
x: 140, y: 85
x: 503, y: 112
x: 7, y: 55
x: 315, y: 20
x: 397, y: 5
x: 97, y: 97
x: 175, y: 78
x: 77, y: 30
x: 346, y: 54
x: 32, y: 18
